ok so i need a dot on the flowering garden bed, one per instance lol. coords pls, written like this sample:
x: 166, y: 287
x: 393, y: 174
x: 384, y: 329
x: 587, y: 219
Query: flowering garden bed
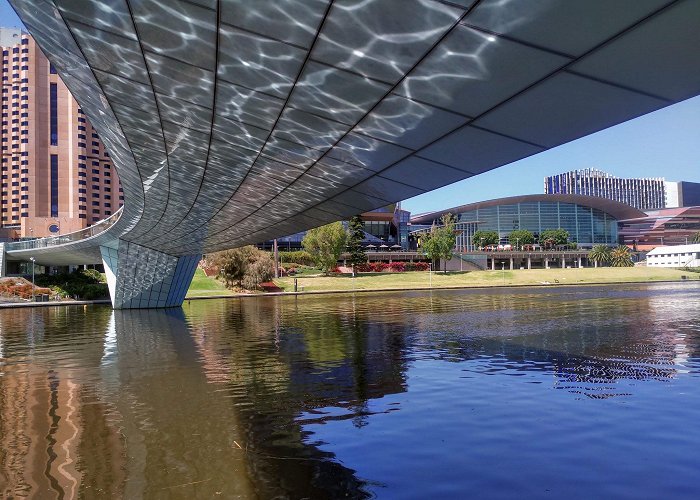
x: 394, y: 267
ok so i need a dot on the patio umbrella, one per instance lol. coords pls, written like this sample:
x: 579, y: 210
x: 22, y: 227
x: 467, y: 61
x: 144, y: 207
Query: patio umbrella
x: 383, y: 246
x: 398, y: 247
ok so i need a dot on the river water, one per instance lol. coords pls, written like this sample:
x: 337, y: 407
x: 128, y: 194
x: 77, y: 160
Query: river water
x: 576, y: 392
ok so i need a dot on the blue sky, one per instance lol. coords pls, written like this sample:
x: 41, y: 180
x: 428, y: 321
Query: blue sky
x: 665, y: 143
x: 661, y: 144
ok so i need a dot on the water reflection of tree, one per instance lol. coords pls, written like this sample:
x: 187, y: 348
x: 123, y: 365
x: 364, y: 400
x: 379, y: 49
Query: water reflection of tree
x: 285, y: 359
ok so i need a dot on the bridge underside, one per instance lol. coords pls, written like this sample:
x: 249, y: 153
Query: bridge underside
x: 233, y: 122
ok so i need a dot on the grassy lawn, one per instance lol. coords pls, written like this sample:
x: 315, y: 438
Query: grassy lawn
x: 374, y: 281
x: 202, y: 286
x: 303, y: 271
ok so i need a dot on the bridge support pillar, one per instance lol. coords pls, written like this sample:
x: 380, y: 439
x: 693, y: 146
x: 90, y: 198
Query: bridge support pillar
x: 142, y: 278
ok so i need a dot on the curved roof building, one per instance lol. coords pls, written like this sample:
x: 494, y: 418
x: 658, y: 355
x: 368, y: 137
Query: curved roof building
x: 588, y: 219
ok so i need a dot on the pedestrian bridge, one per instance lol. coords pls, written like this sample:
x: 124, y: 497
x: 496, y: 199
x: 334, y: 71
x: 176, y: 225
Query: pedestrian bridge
x: 232, y: 122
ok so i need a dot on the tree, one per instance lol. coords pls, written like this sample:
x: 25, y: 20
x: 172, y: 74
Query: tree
x: 696, y: 238
x: 356, y: 233
x: 483, y: 238
x: 621, y: 256
x: 246, y: 267
x: 551, y: 237
x: 325, y: 244
x: 600, y: 254
x: 440, y: 241
x: 521, y: 237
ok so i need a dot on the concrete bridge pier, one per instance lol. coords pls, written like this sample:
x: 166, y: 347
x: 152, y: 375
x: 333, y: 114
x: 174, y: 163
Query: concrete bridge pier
x: 142, y: 278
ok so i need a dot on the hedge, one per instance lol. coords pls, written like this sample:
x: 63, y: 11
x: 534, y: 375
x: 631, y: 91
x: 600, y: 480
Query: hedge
x: 393, y: 267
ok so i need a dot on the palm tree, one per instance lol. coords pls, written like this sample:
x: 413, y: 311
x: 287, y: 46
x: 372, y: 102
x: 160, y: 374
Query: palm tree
x: 621, y: 257
x: 599, y: 253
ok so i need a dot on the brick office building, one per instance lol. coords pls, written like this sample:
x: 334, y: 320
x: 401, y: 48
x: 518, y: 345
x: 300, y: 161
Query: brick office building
x: 56, y: 175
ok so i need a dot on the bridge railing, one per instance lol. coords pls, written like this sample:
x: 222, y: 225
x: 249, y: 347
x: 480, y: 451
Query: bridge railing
x: 82, y: 234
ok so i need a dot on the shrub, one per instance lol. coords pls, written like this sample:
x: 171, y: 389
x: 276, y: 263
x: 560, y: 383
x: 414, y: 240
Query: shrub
x: 87, y: 284
x: 259, y: 271
x: 396, y: 267
x: 299, y: 257
x: 246, y: 267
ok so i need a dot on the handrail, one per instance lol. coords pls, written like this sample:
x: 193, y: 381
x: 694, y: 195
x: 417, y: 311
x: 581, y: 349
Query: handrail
x: 79, y: 235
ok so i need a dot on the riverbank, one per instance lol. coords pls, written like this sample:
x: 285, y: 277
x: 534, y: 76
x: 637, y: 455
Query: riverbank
x: 204, y: 287
x: 479, y: 279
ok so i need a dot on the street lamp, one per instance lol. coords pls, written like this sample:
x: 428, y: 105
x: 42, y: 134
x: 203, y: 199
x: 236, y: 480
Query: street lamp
x: 32, y: 259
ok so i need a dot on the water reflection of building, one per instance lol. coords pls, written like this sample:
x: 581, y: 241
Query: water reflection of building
x: 592, y: 346
x: 56, y: 438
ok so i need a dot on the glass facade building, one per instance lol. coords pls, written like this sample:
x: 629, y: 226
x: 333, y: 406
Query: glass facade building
x: 588, y: 220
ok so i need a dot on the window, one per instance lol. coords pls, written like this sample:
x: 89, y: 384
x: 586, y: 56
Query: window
x: 54, y: 114
x: 54, y: 185
x: 52, y: 70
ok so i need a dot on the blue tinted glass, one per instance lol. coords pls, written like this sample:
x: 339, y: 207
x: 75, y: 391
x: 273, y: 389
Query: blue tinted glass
x: 54, y: 185
x: 54, y: 114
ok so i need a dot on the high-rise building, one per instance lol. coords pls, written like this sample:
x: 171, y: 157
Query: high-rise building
x: 56, y: 175
x: 682, y: 194
x: 643, y: 194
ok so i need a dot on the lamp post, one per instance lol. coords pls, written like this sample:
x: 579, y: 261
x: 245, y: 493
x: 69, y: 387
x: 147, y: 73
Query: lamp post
x: 503, y: 269
x: 517, y: 242
x: 32, y: 259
